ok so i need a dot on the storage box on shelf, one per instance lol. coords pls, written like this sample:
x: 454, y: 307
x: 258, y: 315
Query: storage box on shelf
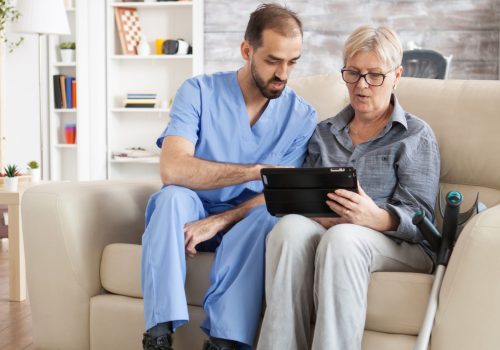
x: 156, y: 75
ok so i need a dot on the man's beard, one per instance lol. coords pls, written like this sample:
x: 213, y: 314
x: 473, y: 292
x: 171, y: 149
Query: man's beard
x: 264, y: 87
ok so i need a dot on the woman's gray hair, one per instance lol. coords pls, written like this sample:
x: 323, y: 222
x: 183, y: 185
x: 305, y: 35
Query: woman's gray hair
x: 383, y: 41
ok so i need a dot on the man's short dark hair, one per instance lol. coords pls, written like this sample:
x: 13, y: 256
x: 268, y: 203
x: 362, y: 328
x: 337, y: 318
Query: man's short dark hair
x: 274, y: 17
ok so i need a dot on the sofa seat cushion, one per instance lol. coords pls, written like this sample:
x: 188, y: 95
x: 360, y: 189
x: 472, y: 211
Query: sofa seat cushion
x: 121, y: 272
x: 397, y: 302
x: 117, y: 322
x: 386, y: 341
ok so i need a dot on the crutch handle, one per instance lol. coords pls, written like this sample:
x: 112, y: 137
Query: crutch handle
x: 450, y: 225
x: 429, y: 231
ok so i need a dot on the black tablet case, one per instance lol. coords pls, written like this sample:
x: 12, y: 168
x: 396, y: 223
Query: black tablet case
x: 304, y: 190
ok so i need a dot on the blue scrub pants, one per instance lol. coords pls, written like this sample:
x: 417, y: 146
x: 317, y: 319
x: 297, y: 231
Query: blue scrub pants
x: 234, y: 300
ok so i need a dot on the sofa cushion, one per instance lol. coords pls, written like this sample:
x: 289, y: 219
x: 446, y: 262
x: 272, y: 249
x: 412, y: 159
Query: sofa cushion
x: 327, y: 93
x: 387, y: 341
x: 464, y: 117
x: 397, y: 302
x: 121, y: 272
x: 117, y: 322
x: 121, y: 269
x: 468, y: 316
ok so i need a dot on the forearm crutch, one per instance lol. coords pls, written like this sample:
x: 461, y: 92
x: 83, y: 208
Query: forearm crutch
x: 443, y: 246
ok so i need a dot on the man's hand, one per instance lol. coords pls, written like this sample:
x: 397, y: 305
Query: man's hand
x: 359, y: 208
x: 200, y: 231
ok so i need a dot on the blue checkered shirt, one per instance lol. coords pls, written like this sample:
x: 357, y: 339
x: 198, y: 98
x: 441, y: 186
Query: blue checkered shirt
x: 398, y: 168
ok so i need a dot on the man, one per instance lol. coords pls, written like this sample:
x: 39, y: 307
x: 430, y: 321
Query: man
x: 224, y: 128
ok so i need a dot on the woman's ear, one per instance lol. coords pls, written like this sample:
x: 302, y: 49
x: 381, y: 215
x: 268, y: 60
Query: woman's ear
x: 399, y: 72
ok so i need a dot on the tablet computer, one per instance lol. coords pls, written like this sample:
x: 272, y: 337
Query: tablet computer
x: 304, y: 190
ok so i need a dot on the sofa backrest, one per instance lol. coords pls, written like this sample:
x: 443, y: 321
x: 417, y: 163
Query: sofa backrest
x: 464, y: 114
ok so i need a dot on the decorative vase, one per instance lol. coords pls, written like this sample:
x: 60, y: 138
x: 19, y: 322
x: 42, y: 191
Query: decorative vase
x: 67, y: 55
x: 10, y: 184
x: 143, y: 48
x: 35, y: 174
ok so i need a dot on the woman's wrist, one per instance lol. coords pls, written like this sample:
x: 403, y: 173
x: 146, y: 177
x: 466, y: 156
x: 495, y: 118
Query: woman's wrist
x: 385, y: 221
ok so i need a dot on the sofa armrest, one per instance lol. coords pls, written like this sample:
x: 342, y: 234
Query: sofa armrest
x: 469, y: 304
x: 66, y: 227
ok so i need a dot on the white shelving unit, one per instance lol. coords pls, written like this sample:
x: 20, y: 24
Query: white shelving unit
x: 69, y: 161
x: 160, y: 74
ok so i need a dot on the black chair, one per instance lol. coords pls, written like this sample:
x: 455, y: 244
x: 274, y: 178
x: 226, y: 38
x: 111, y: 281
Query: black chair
x: 422, y: 63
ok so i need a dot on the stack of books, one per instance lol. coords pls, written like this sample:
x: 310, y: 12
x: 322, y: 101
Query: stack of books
x: 136, y: 154
x: 64, y: 91
x: 140, y: 101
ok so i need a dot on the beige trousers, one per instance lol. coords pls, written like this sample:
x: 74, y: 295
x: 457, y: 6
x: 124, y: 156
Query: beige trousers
x: 312, y: 269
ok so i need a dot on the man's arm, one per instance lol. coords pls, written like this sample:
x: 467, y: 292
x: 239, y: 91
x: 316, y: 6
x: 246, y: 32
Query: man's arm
x: 202, y: 230
x: 179, y: 166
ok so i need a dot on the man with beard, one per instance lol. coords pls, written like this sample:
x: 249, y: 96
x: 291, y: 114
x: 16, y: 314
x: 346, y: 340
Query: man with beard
x: 223, y: 129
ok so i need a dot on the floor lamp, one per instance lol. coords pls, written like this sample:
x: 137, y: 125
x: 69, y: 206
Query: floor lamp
x: 41, y: 18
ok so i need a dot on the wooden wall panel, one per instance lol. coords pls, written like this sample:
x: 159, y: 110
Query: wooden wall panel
x: 467, y: 29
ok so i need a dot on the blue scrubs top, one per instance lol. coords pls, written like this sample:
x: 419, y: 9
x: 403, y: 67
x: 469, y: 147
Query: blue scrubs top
x: 209, y: 111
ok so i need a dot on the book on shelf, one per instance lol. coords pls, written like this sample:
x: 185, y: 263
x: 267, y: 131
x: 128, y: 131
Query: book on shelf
x: 140, y: 100
x: 57, y: 91
x: 73, y: 92
x: 141, y: 96
x: 69, y: 93
x: 139, y: 103
x: 64, y: 91
x: 137, y: 154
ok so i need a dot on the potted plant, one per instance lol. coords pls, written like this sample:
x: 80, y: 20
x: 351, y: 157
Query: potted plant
x: 11, y: 181
x: 8, y: 13
x: 34, y: 171
x: 67, y: 49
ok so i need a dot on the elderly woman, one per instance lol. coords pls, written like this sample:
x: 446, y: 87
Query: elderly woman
x: 326, y: 263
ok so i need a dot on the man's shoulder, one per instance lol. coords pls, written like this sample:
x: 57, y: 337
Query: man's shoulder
x: 289, y: 96
x: 211, y: 80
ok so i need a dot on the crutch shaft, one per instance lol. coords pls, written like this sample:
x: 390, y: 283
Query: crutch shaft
x: 426, y: 329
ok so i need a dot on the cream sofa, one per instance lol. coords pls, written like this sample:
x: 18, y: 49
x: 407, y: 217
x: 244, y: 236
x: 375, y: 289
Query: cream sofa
x: 83, y: 253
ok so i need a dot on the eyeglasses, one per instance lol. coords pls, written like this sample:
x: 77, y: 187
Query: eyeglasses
x: 372, y: 79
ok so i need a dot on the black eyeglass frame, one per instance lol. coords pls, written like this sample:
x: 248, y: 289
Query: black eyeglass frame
x: 384, y: 75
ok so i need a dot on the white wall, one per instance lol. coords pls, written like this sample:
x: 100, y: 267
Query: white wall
x: 22, y: 108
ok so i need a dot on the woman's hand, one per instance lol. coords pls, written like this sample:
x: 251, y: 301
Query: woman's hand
x: 360, y: 209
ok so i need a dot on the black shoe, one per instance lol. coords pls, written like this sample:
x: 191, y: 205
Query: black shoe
x: 212, y: 344
x: 162, y: 342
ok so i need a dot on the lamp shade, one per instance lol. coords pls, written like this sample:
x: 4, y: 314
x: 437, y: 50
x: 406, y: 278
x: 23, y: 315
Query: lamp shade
x: 41, y: 17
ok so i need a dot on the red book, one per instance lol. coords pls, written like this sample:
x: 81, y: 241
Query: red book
x: 73, y: 92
